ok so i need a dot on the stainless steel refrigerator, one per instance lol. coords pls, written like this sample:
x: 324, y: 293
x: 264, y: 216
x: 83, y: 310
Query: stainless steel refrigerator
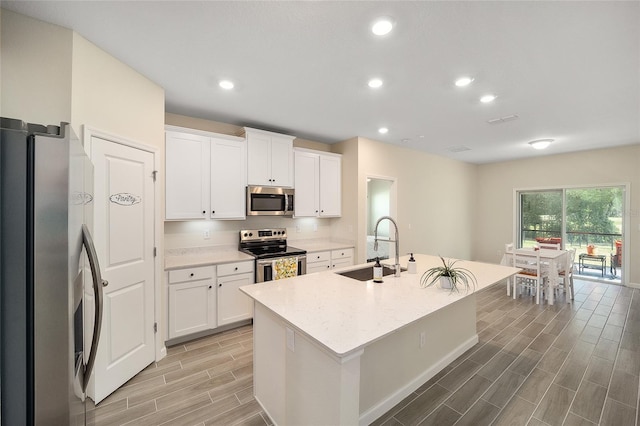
x: 50, y: 284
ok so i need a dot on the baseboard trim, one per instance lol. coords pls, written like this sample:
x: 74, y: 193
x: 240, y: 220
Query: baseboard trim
x: 385, y: 405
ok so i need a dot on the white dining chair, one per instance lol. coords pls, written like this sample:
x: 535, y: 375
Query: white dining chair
x: 508, y: 250
x: 531, y: 277
x: 566, y: 273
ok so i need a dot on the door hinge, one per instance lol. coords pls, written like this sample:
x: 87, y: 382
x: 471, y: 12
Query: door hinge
x: 154, y: 174
x: 155, y: 327
x: 155, y: 251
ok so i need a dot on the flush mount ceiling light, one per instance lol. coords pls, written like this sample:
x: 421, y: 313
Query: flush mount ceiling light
x: 382, y: 26
x: 464, y: 81
x: 541, y: 143
x: 226, y: 84
x: 374, y: 83
x: 487, y: 99
x: 383, y: 130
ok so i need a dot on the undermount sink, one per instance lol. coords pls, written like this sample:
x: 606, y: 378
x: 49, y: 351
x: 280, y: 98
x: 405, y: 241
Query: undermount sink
x: 366, y: 273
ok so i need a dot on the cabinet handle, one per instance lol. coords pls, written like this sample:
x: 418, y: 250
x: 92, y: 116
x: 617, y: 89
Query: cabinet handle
x: 204, y: 211
x: 191, y: 274
x: 236, y: 268
x: 210, y: 287
x: 220, y: 285
x: 213, y: 212
x: 316, y: 211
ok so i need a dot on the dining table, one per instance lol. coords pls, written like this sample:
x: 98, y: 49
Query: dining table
x: 555, y: 260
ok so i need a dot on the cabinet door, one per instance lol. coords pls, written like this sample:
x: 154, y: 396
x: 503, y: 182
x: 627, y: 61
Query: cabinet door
x: 192, y: 307
x: 228, y: 179
x: 281, y: 161
x: 342, y: 262
x: 259, y: 159
x: 306, y: 184
x: 318, y: 267
x: 187, y: 176
x: 233, y: 305
x: 330, y: 186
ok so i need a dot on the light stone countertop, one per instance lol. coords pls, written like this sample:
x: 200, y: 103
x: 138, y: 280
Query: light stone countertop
x: 203, y: 256
x: 344, y: 315
x: 314, y: 246
x: 216, y: 255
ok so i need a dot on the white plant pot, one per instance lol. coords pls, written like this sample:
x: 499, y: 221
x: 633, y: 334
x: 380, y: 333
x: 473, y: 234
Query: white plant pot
x: 445, y: 282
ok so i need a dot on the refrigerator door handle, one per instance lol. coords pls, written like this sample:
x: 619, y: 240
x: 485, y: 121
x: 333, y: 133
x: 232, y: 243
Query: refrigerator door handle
x: 98, y: 283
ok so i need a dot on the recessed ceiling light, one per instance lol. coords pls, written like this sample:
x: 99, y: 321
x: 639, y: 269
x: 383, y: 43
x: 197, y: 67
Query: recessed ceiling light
x: 541, y: 143
x: 463, y: 81
x: 382, y: 26
x: 383, y: 130
x: 487, y: 98
x: 375, y: 83
x: 226, y: 84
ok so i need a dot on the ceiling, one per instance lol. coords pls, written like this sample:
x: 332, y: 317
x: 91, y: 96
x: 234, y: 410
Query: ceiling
x: 569, y: 71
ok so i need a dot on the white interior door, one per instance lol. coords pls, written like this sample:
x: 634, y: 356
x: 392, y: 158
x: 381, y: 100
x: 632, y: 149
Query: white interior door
x: 124, y: 239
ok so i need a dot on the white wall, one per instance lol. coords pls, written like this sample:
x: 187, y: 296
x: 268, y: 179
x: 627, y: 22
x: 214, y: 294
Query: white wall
x: 36, y: 70
x: 494, y: 213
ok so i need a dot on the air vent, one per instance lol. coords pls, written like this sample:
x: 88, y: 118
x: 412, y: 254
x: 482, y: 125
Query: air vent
x: 503, y: 119
x: 460, y: 148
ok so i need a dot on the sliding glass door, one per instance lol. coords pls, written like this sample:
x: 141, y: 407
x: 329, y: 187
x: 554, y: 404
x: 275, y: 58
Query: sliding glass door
x: 589, y: 220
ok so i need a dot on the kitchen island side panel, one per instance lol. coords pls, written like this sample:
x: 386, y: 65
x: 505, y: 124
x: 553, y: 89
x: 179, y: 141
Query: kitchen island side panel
x: 299, y: 383
x: 396, y: 365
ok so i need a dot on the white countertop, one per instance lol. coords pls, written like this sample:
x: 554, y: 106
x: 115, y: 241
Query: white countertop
x: 203, y: 256
x: 344, y: 315
x: 314, y: 246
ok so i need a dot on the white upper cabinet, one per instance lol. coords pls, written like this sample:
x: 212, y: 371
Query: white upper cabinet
x: 330, y: 185
x: 228, y: 179
x: 187, y: 168
x: 269, y: 158
x: 205, y: 175
x: 307, y: 178
x: 318, y: 183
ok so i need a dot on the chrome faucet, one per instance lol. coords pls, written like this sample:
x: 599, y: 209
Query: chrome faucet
x: 397, y: 241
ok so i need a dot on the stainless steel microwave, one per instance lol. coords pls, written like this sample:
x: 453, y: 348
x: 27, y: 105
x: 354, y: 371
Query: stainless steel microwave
x: 269, y: 201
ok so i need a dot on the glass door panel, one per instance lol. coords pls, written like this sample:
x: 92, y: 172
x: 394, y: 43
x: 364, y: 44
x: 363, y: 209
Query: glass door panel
x: 540, y: 217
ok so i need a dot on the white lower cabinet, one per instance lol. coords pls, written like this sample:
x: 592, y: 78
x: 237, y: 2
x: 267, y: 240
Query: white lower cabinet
x: 207, y: 297
x: 326, y: 260
x: 234, y: 305
x: 341, y: 258
x: 318, y: 262
x: 192, y: 300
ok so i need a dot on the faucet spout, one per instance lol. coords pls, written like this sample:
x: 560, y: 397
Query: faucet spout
x: 396, y: 240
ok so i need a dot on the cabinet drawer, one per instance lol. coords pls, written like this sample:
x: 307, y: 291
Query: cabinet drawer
x: 235, y: 268
x: 191, y: 274
x: 341, y: 254
x: 322, y: 256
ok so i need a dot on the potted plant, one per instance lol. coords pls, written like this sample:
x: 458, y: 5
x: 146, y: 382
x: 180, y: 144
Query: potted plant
x: 449, y: 276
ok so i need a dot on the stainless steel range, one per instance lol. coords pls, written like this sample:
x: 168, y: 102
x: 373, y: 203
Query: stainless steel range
x: 274, y: 258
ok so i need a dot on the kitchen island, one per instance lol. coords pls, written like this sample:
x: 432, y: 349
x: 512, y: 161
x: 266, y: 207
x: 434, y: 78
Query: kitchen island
x: 331, y: 350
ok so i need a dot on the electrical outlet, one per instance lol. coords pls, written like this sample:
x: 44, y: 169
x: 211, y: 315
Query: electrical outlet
x: 423, y: 339
x: 298, y: 228
x: 206, y: 234
x: 315, y: 227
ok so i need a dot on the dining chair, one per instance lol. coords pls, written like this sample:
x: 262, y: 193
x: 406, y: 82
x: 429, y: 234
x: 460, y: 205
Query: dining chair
x: 566, y: 273
x: 531, y: 277
x: 508, y: 250
x: 548, y: 246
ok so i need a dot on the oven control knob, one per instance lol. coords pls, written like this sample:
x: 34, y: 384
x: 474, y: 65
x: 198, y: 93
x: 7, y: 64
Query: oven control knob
x: 251, y: 234
x: 245, y: 234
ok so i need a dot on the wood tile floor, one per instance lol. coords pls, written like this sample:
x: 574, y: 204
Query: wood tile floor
x: 569, y: 364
